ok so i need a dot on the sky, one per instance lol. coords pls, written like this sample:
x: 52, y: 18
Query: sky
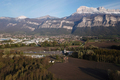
x: 56, y: 8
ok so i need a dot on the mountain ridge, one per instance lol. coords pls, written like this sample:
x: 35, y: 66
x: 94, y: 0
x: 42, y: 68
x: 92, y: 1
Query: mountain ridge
x: 84, y: 9
x: 52, y: 25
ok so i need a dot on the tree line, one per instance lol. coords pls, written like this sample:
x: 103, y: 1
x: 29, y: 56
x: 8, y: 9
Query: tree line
x: 97, y: 54
x: 16, y: 45
x: 55, y: 43
x: 24, y: 68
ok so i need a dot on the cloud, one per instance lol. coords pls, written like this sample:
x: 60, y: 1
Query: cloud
x: 112, y: 6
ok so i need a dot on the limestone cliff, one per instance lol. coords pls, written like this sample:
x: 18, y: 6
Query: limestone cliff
x: 103, y: 20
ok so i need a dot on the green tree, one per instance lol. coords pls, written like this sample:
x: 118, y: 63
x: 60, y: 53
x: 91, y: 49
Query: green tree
x: 97, y: 58
x: 8, y: 77
x: 57, y: 57
x: 6, y: 51
x: 54, y: 43
x: 7, y: 45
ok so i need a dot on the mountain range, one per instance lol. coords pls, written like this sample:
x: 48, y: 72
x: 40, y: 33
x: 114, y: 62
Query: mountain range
x: 86, y: 21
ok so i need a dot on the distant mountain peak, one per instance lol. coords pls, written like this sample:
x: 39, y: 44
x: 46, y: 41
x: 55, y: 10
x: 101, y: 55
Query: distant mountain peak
x: 47, y: 17
x: 21, y: 17
x: 4, y: 17
x: 84, y: 9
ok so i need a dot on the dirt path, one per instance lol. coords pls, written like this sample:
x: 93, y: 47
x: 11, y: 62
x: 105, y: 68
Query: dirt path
x: 78, y: 69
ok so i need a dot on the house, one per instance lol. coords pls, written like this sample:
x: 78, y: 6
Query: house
x: 51, y: 61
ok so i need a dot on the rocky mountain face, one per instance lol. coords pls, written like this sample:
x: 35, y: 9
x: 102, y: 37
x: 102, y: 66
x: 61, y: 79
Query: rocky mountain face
x: 31, y: 24
x: 82, y: 18
x: 99, y: 20
x: 57, y: 24
x: 90, y: 17
x: 84, y: 9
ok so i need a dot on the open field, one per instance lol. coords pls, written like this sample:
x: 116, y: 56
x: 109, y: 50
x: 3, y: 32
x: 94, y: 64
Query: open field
x: 102, y: 44
x: 78, y: 69
x: 34, y: 48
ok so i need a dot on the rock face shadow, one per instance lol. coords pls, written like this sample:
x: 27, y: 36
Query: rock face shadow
x: 96, y: 73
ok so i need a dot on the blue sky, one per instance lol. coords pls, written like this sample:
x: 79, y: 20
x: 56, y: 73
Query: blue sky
x: 57, y: 8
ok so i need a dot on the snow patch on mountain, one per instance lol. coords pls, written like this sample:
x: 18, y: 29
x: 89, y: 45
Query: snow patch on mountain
x: 21, y: 17
x: 47, y: 17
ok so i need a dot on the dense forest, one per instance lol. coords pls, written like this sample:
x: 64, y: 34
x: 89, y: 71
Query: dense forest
x: 97, y: 54
x: 19, y: 67
x: 93, y: 53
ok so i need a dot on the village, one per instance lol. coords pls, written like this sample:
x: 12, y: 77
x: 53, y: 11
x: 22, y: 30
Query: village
x: 24, y: 40
x: 30, y: 39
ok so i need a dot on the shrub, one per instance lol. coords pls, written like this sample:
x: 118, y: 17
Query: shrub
x: 6, y: 51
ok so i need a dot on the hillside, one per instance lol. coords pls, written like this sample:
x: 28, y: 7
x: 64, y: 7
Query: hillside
x: 84, y: 22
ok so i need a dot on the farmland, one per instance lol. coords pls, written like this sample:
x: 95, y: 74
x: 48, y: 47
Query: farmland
x: 79, y: 69
x: 102, y: 44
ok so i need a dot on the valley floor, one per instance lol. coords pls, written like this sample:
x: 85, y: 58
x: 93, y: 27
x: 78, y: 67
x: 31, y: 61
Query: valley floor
x: 102, y: 44
x: 79, y: 69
